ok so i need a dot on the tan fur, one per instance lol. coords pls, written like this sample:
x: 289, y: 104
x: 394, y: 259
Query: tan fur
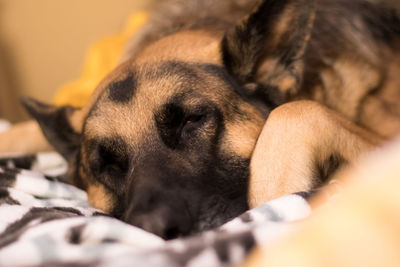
x: 295, y: 137
x: 205, y: 44
x: 99, y: 198
x: 381, y: 111
x: 377, y: 117
x: 76, y: 120
x: 390, y: 92
x: 282, y: 24
x: 241, y: 142
x: 347, y: 83
x: 284, y: 82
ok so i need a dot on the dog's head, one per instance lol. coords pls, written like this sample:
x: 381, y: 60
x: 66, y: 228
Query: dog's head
x: 166, y: 139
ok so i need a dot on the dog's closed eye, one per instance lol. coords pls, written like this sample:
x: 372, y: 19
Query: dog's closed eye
x: 192, y: 122
x: 193, y: 119
x: 111, y: 161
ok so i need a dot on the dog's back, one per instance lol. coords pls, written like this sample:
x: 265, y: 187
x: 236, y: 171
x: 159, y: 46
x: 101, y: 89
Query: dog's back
x: 338, y: 22
x: 350, y: 62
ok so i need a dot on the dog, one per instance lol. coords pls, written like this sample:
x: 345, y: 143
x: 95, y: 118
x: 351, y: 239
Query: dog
x: 227, y: 104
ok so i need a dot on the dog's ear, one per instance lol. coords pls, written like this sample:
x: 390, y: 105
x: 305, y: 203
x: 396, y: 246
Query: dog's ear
x: 265, y: 50
x: 57, y: 125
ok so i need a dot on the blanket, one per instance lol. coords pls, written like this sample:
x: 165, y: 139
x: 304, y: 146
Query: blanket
x: 45, y: 221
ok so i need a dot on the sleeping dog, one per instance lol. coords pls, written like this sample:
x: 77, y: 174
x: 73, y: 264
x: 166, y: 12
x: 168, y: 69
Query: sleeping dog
x: 223, y: 104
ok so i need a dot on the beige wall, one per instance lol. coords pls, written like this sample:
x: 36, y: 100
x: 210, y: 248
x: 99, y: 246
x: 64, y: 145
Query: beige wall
x: 43, y: 43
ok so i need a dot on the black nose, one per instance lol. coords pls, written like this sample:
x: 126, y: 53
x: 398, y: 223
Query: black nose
x: 160, y: 223
x: 165, y: 216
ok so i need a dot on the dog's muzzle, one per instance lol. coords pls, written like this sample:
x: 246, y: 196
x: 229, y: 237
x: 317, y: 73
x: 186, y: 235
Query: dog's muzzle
x: 156, y: 203
x: 160, y: 213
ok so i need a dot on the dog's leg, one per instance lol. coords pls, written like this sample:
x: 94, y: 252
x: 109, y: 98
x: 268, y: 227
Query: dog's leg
x: 24, y: 137
x: 360, y: 227
x: 297, y: 142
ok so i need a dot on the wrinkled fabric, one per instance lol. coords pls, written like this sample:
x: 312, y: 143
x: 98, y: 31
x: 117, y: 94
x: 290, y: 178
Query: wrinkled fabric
x: 44, y: 221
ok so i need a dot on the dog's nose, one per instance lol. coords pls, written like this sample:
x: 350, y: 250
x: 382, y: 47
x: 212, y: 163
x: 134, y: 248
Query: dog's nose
x: 157, y: 222
x: 163, y: 215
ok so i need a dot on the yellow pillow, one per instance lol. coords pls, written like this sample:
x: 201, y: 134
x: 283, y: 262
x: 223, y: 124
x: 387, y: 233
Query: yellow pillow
x: 100, y: 60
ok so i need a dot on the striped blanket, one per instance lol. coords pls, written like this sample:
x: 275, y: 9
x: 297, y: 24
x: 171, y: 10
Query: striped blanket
x: 46, y: 222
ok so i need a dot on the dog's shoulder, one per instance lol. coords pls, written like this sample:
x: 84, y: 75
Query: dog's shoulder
x: 339, y: 23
